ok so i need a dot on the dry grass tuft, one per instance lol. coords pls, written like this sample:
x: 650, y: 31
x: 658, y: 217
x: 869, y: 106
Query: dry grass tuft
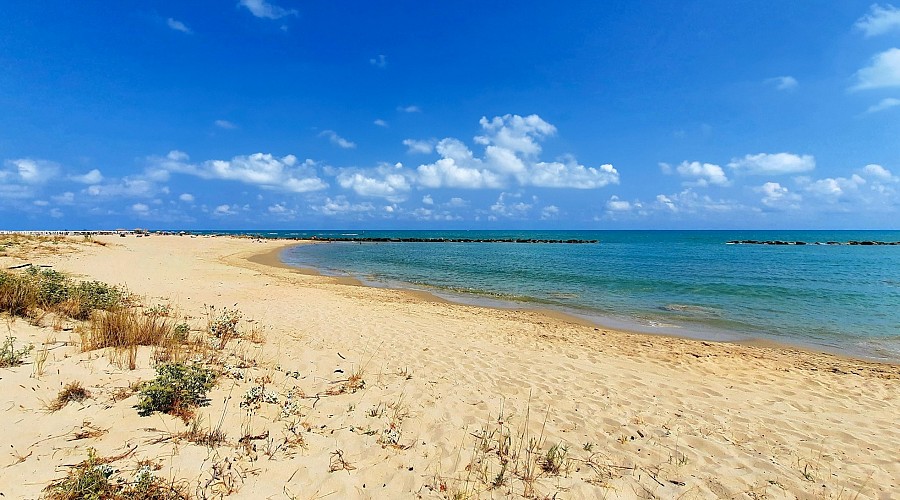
x: 73, y: 391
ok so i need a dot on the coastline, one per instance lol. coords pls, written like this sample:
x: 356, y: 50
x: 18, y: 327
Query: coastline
x: 635, y: 413
x: 272, y: 258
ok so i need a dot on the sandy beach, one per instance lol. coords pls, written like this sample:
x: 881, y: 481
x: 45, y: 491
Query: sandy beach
x: 380, y: 393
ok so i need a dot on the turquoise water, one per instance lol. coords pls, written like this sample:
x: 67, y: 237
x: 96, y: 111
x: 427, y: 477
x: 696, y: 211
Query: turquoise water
x: 838, y: 298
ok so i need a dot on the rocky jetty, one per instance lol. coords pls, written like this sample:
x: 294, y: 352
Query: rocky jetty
x: 781, y: 242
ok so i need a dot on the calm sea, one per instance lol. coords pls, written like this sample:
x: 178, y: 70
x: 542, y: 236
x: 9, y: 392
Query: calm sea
x: 842, y: 299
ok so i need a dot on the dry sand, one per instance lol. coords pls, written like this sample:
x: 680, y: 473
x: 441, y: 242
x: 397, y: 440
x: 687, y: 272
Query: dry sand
x: 639, y: 416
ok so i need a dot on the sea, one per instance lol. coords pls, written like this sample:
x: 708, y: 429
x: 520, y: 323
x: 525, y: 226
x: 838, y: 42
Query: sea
x: 843, y: 299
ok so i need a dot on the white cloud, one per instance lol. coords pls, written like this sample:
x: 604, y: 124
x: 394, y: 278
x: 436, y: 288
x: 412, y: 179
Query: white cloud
x: 775, y: 195
x: 66, y: 198
x: 340, y: 206
x: 92, y: 177
x: 878, y: 172
x: 225, y: 124
x: 337, y: 140
x: 427, y: 200
x: 550, y: 212
x: 773, y: 164
x: 688, y: 201
x: 186, y: 197
x: 266, y: 10
x: 783, y: 82
x: 508, y: 209
x: 223, y: 210
x: 515, y: 133
x: 176, y: 155
x: 616, y: 205
x: 410, y: 109
x: 56, y: 213
x: 458, y: 167
x: 140, y: 208
x: 879, y: 20
x: 704, y: 174
x: 884, y: 71
x: 379, y: 61
x: 277, y: 209
x: 420, y: 147
x: 572, y: 175
x: 260, y: 169
x: 836, y: 187
x: 40, y: 203
x: 128, y: 187
x: 381, y: 123
x: 886, y: 103
x: 30, y: 171
x: 511, y: 154
x: 456, y: 202
x: 178, y: 26
x: 387, y: 181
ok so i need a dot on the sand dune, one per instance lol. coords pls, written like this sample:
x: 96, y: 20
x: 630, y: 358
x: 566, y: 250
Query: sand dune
x: 450, y: 392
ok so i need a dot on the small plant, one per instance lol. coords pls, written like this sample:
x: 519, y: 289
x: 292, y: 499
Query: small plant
x: 181, y: 331
x: 176, y: 390
x: 9, y: 356
x: 224, y: 325
x: 94, y: 478
x: 73, y: 391
x: 555, y: 461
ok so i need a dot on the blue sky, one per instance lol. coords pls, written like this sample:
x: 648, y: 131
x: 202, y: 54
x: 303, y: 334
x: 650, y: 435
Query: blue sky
x: 407, y: 114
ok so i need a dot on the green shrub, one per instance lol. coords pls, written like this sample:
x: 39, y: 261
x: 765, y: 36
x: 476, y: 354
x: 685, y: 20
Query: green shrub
x: 176, y: 390
x: 9, y: 356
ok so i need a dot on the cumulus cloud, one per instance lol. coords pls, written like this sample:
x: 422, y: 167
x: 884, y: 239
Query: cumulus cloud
x: 66, y: 198
x: 773, y: 164
x: 508, y: 208
x: 833, y: 188
x: 515, y: 133
x: 387, y: 181
x: 688, y: 201
x: 92, y: 177
x: 186, y: 197
x: 410, y: 109
x: 512, y: 147
x: 419, y: 147
x: 340, y: 206
x: 776, y: 196
x: 886, y: 103
x: 878, y: 172
x: 379, y: 61
x: 783, y: 82
x: 550, y: 212
x: 458, y: 167
x: 703, y: 174
x: 259, y: 169
x: 879, y: 20
x: 427, y: 200
x: 380, y: 123
x: 30, y: 171
x: 140, y: 208
x: 266, y: 10
x: 224, y: 210
x: 178, y: 26
x: 884, y: 71
x: 337, y: 140
x: 614, y: 204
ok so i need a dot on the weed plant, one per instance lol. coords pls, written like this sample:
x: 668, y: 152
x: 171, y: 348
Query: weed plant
x: 176, y: 390
x: 9, y: 356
